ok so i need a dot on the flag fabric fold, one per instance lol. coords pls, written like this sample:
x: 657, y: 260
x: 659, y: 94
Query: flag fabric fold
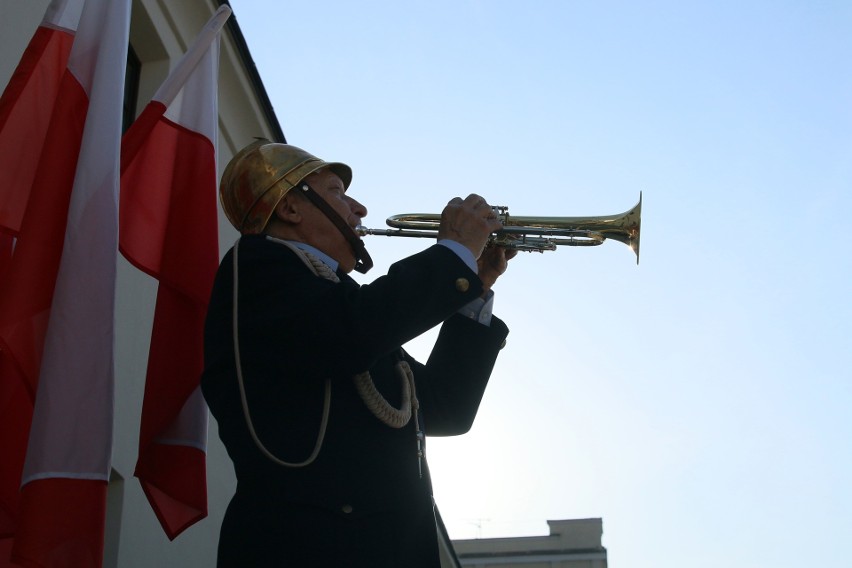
x: 60, y: 131
x: 27, y: 105
x: 169, y: 230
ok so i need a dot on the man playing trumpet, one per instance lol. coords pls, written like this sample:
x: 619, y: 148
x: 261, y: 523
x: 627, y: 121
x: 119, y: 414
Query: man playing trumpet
x: 321, y: 410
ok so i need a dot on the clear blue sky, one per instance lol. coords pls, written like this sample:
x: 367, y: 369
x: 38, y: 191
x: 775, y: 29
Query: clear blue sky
x: 700, y: 402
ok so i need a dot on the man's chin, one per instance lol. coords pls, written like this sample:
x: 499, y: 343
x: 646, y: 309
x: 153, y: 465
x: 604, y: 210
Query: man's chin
x: 346, y: 265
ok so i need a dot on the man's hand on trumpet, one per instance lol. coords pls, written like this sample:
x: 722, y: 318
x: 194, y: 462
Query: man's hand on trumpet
x: 492, y: 264
x: 469, y: 222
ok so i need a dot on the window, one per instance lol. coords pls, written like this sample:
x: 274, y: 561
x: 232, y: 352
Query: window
x: 131, y: 88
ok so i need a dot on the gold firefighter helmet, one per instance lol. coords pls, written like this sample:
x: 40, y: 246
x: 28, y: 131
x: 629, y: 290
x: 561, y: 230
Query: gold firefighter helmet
x: 260, y: 175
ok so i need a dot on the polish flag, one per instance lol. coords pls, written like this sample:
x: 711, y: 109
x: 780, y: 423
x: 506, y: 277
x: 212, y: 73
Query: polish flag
x: 60, y: 130
x: 168, y: 229
x: 26, y: 107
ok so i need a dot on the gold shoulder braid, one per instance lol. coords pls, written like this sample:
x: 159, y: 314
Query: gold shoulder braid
x: 376, y: 403
x: 373, y: 399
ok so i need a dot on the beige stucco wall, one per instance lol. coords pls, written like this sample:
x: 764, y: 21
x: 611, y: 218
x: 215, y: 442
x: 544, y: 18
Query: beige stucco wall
x: 160, y: 33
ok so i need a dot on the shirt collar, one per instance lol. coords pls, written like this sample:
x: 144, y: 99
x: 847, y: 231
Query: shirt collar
x: 330, y: 262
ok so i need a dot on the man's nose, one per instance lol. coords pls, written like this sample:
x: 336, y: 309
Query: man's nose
x: 357, y: 208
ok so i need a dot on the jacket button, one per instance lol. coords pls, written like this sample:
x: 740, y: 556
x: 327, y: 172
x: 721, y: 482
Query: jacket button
x: 462, y: 284
x: 346, y: 509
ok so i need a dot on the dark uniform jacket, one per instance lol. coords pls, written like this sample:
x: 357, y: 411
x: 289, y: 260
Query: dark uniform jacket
x: 295, y: 331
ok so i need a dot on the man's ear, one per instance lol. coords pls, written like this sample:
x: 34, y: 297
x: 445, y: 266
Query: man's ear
x: 289, y: 210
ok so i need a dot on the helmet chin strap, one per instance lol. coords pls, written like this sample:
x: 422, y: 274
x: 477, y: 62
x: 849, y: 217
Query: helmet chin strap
x: 363, y: 262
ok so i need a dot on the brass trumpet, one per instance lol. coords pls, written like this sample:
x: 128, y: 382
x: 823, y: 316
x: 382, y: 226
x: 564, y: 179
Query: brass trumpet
x: 532, y: 234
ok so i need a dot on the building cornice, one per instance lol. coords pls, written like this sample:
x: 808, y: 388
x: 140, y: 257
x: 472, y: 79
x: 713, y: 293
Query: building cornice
x: 254, y: 76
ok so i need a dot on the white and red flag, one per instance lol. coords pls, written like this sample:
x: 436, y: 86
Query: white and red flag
x: 59, y: 199
x: 168, y: 229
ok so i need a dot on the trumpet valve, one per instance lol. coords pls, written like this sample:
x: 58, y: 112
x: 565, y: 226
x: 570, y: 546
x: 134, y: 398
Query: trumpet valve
x: 502, y: 212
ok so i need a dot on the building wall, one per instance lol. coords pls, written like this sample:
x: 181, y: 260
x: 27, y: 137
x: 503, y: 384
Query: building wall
x: 160, y: 33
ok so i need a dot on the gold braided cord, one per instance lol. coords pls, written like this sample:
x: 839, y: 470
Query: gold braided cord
x: 378, y: 404
x: 244, y: 399
x: 373, y: 399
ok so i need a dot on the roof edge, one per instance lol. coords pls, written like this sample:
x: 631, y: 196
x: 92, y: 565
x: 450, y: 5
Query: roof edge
x: 257, y: 83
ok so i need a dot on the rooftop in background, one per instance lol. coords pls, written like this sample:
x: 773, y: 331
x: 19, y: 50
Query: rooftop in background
x: 571, y: 544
